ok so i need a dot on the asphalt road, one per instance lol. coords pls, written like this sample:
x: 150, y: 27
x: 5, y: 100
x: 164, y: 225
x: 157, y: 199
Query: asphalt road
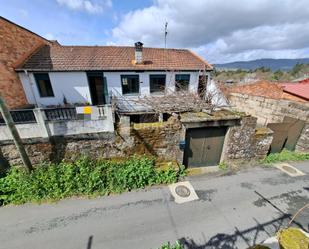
x: 234, y: 211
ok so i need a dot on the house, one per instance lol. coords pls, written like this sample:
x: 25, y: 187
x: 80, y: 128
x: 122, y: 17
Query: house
x: 300, y: 89
x: 288, y: 91
x: 16, y: 44
x: 56, y: 74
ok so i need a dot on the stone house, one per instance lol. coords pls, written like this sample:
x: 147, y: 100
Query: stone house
x: 57, y: 78
x: 16, y: 44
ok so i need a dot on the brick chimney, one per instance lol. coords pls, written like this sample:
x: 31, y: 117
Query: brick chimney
x: 138, y: 52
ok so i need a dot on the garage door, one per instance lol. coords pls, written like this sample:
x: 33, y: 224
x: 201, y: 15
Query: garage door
x: 204, y: 146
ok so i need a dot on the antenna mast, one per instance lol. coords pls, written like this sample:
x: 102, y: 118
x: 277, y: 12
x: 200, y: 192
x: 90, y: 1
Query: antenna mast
x: 165, y: 34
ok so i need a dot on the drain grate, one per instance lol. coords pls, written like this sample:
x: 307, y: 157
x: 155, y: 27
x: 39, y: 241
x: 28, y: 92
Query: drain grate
x: 182, y: 191
x: 289, y: 169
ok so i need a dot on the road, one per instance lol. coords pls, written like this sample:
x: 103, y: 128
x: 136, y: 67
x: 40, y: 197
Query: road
x: 234, y: 211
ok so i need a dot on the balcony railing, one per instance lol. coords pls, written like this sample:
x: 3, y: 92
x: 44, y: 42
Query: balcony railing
x: 60, y: 113
x: 21, y: 117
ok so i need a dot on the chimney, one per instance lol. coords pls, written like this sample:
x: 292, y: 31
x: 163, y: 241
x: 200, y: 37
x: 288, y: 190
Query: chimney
x: 138, y: 52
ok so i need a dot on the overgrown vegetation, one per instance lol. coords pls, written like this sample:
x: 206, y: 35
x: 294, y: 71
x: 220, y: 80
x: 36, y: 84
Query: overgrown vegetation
x: 285, y: 155
x: 83, y: 177
x: 262, y: 73
x: 177, y: 245
x: 223, y: 166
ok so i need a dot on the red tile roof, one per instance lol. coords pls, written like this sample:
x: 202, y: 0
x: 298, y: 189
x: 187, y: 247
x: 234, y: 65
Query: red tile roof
x: 81, y: 58
x: 299, y: 89
x: 291, y: 91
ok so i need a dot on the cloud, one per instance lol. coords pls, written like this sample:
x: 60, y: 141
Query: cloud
x: 90, y: 6
x: 224, y: 30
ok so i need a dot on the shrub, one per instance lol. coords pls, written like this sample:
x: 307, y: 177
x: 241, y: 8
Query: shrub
x: 285, y: 155
x: 83, y: 177
x: 177, y: 245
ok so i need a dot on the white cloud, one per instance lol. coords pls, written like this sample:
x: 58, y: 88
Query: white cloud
x: 222, y: 30
x: 90, y: 6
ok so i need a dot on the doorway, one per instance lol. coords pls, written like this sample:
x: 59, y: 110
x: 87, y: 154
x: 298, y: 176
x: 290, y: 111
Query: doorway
x: 202, y: 86
x: 98, y: 88
x: 204, y: 146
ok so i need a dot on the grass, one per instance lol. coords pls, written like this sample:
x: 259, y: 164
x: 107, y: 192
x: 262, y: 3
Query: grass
x: 285, y: 155
x: 84, y: 177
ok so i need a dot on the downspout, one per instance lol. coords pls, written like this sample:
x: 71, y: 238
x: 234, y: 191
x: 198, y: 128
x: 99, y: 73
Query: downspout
x: 31, y: 87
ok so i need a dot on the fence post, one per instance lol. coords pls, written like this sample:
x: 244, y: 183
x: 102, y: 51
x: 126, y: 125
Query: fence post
x: 40, y: 118
x: 17, y: 140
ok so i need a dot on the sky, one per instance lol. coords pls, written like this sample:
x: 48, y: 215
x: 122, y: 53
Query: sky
x: 218, y: 30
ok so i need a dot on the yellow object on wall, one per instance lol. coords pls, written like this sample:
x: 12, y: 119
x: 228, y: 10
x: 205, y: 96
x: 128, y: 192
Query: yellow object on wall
x: 87, y: 110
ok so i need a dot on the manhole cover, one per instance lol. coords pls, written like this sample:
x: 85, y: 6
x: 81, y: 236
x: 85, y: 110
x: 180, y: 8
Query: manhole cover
x: 289, y: 169
x: 182, y: 191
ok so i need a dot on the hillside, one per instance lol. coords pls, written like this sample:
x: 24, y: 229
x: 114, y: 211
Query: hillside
x: 273, y: 64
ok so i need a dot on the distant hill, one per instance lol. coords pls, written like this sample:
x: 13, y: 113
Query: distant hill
x: 273, y: 64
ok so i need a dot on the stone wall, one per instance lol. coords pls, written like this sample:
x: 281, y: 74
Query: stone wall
x: 16, y: 43
x: 243, y: 143
x: 246, y: 143
x: 158, y: 139
x: 268, y: 110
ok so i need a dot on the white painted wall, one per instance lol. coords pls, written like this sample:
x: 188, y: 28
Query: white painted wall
x: 74, y: 85
x: 218, y: 97
x: 114, y: 81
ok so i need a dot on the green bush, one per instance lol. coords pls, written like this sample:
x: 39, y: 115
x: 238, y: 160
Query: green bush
x: 177, y: 245
x: 83, y: 177
x: 285, y: 155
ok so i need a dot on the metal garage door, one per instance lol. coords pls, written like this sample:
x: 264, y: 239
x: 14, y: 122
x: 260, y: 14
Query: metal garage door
x: 204, y: 146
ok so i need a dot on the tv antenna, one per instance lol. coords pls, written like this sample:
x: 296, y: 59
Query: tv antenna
x: 165, y: 34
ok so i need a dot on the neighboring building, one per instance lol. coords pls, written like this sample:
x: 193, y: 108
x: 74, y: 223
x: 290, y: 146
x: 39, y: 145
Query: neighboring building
x: 58, y: 74
x: 300, y: 90
x: 288, y: 91
x: 16, y: 44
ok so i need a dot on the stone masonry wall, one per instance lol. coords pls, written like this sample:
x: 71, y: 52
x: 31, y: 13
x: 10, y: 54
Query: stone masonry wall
x: 16, y: 44
x: 245, y: 143
x: 159, y: 139
x: 268, y: 110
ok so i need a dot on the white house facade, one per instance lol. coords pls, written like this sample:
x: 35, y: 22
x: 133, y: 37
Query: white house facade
x: 74, y: 88
x: 58, y: 75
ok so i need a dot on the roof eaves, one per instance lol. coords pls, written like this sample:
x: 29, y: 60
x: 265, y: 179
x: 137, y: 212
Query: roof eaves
x: 202, y: 59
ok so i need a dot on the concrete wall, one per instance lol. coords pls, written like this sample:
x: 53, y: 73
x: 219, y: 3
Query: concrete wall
x: 16, y: 44
x: 45, y: 129
x: 74, y: 85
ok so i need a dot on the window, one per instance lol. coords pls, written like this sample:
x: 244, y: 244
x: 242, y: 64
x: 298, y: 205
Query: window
x: 157, y: 83
x: 182, y: 82
x: 44, y: 85
x: 130, y: 84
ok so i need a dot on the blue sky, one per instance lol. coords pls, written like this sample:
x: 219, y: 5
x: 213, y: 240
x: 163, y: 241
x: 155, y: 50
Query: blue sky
x: 51, y: 19
x: 218, y: 30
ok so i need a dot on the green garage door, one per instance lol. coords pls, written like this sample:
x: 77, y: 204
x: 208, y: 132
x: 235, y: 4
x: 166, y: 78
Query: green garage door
x: 204, y: 146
